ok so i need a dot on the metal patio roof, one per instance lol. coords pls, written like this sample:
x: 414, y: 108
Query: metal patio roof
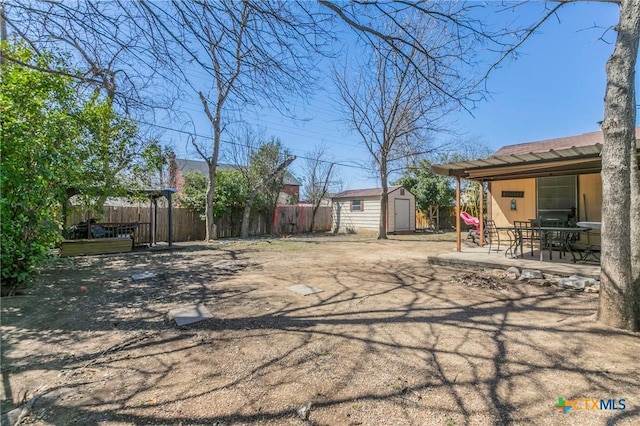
x: 552, y: 162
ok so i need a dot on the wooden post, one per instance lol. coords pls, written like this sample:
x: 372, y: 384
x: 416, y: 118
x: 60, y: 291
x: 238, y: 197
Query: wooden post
x: 458, y: 230
x: 481, y: 210
x: 170, y: 219
x: 152, y: 219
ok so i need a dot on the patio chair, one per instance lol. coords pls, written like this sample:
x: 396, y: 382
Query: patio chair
x: 492, y: 234
x: 555, y: 240
x: 524, y: 233
x: 582, y: 252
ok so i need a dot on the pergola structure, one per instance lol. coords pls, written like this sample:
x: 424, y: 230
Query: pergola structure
x: 558, y: 157
x: 154, y: 195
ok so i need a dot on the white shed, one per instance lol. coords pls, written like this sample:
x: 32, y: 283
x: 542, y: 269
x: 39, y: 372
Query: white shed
x: 360, y: 209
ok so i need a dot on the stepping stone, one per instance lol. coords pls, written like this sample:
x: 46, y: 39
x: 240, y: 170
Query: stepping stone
x: 143, y: 276
x: 304, y: 289
x: 190, y: 314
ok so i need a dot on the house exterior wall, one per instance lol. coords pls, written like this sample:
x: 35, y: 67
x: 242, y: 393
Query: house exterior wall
x: 345, y: 220
x: 589, y: 190
x: 590, y: 187
x: 395, y: 195
x: 589, y: 202
x: 289, y: 194
x: 501, y: 211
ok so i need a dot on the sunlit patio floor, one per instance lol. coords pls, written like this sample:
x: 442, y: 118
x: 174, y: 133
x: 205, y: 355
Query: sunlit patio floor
x: 474, y: 256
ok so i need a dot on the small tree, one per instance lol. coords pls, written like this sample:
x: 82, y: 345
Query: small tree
x: 231, y: 193
x: 392, y: 105
x: 267, y: 168
x: 194, y: 192
x: 430, y: 189
x: 319, y: 176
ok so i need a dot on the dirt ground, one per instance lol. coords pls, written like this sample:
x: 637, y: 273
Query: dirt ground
x: 391, y: 340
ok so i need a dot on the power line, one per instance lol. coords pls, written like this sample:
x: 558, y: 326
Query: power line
x: 193, y: 134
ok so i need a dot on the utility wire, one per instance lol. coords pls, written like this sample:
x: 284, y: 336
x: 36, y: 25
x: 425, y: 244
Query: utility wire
x: 193, y: 134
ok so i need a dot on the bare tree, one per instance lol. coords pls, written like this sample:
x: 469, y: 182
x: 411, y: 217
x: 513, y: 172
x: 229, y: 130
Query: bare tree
x: 319, y: 177
x: 620, y: 297
x: 107, y: 47
x: 263, y: 165
x: 620, y: 278
x: 254, y: 52
x: 397, y: 26
x: 392, y: 110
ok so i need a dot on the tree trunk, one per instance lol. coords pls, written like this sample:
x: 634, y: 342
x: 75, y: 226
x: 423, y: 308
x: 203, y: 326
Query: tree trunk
x: 384, y: 201
x: 617, y: 307
x: 246, y: 217
x: 211, y: 231
x: 635, y: 212
x: 212, y: 163
x: 313, y: 214
x: 635, y: 237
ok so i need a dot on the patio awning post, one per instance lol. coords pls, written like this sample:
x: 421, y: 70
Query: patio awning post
x: 170, y: 218
x: 481, y: 209
x: 458, y: 230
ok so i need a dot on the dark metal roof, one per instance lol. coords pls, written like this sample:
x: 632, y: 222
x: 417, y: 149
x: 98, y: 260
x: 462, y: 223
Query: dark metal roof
x: 538, y: 159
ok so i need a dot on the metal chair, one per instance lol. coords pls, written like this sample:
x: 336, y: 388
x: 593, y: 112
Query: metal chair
x: 524, y: 232
x: 492, y: 234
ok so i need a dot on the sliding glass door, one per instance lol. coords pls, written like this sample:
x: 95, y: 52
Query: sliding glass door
x: 557, y: 198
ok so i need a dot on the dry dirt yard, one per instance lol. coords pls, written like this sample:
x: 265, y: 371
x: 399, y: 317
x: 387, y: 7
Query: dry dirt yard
x: 390, y: 341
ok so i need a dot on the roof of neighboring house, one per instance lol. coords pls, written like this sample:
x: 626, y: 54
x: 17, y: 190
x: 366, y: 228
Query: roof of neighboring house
x: 554, y: 157
x: 371, y: 192
x: 289, y: 179
x: 186, y: 166
x: 584, y: 139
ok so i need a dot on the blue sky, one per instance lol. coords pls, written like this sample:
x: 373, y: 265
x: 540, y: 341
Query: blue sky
x: 554, y: 88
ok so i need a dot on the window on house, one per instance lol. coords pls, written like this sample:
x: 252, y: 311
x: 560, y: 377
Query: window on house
x: 356, y: 205
x: 401, y: 191
x: 557, y: 195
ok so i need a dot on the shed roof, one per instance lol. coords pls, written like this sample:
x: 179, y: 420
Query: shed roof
x: 370, y: 192
x: 554, y: 157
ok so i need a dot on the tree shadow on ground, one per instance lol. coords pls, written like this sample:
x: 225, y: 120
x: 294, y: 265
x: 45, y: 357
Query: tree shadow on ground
x: 402, y: 340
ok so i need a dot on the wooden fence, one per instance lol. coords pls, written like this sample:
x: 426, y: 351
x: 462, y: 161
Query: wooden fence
x: 441, y: 219
x: 297, y: 219
x: 187, y: 225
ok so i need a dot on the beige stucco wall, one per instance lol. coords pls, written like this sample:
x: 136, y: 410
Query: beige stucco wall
x: 590, y: 186
x: 589, y: 201
x: 500, y: 208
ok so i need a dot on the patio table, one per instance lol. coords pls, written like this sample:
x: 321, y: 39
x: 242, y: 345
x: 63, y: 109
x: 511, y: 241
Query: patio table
x: 590, y: 251
x: 544, y: 230
x: 594, y: 225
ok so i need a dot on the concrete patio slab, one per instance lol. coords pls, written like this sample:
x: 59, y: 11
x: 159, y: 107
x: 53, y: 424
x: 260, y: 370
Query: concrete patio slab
x: 479, y: 257
x: 190, y: 314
